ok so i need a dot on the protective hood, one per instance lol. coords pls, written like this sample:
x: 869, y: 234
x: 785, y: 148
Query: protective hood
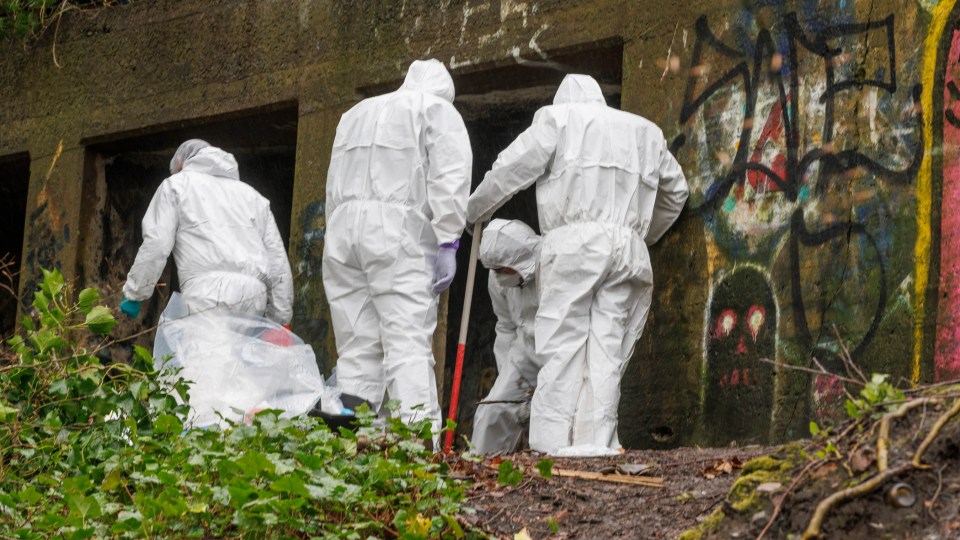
x: 579, y: 89
x: 429, y: 76
x: 510, y: 244
x: 213, y: 161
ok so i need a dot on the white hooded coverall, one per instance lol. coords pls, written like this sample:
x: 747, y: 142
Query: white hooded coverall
x: 397, y: 189
x: 607, y: 186
x: 225, y: 242
x: 497, y: 427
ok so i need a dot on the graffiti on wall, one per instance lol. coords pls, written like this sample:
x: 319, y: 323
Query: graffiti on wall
x: 741, y: 335
x: 801, y: 141
x: 47, y: 235
x: 308, y: 316
x: 946, y: 361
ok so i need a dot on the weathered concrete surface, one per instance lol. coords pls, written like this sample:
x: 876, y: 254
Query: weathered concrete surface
x: 817, y: 137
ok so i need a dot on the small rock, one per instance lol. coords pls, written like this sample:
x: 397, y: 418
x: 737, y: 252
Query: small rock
x: 759, y: 518
x: 769, y: 487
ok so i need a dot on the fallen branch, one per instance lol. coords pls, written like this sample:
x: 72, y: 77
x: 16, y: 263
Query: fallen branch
x: 847, y: 358
x: 647, y: 481
x: 813, y: 529
x: 813, y: 371
x: 934, y: 432
x: 884, y: 472
x: 501, y: 401
x: 883, y: 438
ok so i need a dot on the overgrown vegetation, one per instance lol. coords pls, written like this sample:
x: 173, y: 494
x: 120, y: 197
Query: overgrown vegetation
x: 93, y: 449
x: 27, y: 19
x: 877, y: 444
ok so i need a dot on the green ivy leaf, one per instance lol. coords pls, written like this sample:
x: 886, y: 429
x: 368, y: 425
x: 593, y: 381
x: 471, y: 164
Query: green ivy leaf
x: 814, y: 429
x: 253, y: 463
x: 7, y: 412
x: 290, y: 483
x: 509, y: 475
x: 100, y: 321
x: 545, y: 466
x: 29, y: 495
x: 82, y: 506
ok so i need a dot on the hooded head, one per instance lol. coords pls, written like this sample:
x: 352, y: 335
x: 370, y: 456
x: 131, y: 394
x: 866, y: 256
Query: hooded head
x: 186, y: 151
x: 198, y: 156
x: 510, y: 244
x: 579, y: 89
x: 429, y: 76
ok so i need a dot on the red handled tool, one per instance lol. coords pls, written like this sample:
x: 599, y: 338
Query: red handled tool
x: 462, y: 341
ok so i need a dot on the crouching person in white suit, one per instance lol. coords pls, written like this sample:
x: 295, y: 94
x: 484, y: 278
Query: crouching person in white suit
x: 509, y: 250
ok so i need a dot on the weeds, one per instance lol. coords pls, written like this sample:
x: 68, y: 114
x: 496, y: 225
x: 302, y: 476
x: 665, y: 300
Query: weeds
x: 92, y: 449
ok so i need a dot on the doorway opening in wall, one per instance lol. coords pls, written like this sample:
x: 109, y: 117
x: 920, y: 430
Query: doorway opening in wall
x: 497, y: 104
x: 14, y: 186
x: 123, y: 171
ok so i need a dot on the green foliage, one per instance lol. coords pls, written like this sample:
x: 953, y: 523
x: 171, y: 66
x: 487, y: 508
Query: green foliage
x: 508, y: 474
x: 877, y: 397
x: 94, y: 450
x: 545, y: 466
x: 29, y: 18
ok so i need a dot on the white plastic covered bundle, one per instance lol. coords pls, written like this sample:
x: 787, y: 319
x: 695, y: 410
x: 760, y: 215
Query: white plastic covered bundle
x: 236, y: 364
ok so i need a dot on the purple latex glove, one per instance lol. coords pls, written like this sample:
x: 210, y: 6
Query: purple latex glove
x: 446, y: 266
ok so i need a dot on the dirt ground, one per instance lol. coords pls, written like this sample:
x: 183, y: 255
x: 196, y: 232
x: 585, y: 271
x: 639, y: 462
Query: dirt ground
x: 695, y: 483
x: 720, y: 493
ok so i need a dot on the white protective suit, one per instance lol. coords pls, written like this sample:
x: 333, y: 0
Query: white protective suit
x: 497, y: 427
x: 397, y: 189
x: 225, y: 242
x: 607, y: 186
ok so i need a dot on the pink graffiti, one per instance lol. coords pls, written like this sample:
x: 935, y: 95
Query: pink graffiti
x: 735, y: 378
x: 947, y: 355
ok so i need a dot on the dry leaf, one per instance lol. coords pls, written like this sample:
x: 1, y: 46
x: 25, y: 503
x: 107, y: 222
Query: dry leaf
x: 863, y: 458
x: 722, y: 466
x: 522, y: 535
x: 636, y: 468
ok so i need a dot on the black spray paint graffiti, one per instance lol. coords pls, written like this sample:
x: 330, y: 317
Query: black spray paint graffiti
x: 781, y: 68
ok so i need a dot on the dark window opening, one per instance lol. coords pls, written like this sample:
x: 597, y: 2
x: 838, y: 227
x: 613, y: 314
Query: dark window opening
x: 14, y: 186
x: 128, y: 168
x: 497, y: 105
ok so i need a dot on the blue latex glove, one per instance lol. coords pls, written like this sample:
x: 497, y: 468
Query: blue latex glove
x: 130, y: 307
x: 446, y: 267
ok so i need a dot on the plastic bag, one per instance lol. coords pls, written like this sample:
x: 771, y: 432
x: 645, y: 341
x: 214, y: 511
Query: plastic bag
x: 237, y: 364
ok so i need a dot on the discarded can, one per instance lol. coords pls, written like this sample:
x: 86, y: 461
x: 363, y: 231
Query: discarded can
x: 901, y: 495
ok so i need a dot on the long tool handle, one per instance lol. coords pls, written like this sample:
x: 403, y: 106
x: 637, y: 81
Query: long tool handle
x: 462, y: 341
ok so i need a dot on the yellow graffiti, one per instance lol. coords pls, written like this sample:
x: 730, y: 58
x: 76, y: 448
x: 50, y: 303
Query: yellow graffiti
x: 924, y: 179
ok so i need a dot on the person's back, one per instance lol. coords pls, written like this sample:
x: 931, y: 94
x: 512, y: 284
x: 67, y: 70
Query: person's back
x: 397, y: 187
x: 382, y: 145
x: 606, y: 186
x: 591, y: 163
x: 224, y: 240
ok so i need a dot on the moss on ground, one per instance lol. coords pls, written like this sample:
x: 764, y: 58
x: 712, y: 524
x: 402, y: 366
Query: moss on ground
x: 709, y: 525
x: 743, y: 497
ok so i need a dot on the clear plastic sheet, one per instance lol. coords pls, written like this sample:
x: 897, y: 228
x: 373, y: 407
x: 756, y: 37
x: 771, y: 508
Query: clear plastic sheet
x: 237, y: 364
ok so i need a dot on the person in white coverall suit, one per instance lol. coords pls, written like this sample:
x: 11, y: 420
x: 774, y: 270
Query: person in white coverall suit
x: 607, y: 186
x: 509, y: 250
x: 225, y: 242
x: 397, y: 191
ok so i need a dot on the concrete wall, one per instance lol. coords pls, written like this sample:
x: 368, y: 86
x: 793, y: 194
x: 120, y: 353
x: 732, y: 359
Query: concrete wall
x: 819, y: 138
